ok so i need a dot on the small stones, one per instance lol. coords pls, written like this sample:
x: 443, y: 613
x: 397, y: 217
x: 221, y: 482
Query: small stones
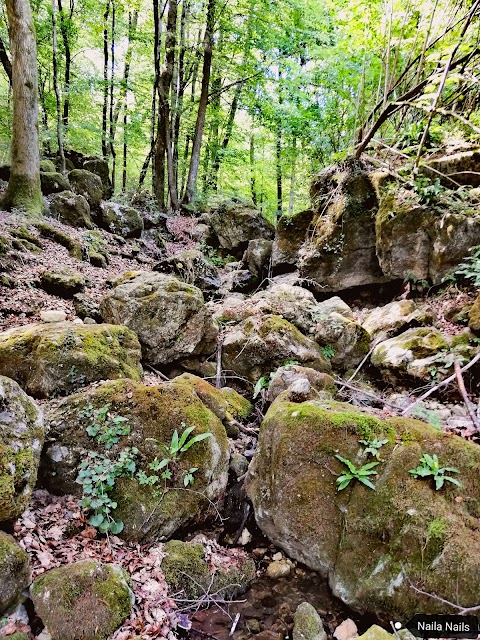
x: 346, y: 630
x: 53, y: 315
x: 278, y: 569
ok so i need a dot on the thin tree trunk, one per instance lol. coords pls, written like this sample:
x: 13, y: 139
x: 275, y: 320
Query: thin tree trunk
x: 291, y: 200
x: 202, y: 107
x: 125, y: 149
x: 122, y: 94
x: 68, y: 59
x: 278, y: 167
x: 111, y: 145
x: 213, y: 148
x: 41, y: 95
x: 181, y: 87
x: 23, y: 191
x: 105, y: 80
x: 253, y: 185
x: 58, y: 98
x: 5, y: 60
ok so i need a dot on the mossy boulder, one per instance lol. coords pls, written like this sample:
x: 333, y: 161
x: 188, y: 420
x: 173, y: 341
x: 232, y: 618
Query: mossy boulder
x: 168, y: 315
x: 307, y: 624
x: 96, y: 248
x: 99, y: 166
x: 394, y: 318
x: 85, y: 600
x: 47, y: 166
x: 411, y: 354
x: 474, y: 316
x: 261, y: 344
x: 120, y: 219
x: 53, y: 182
x: 49, y: 359
x: 153, y: 415
x: 196, y: 569
x: 257, y: 255
x: 192, y: 267
x: 71, y: 209
x: 87, y: 184
x: 234, y: 224
x: 21, y: 438
x: 463, y: 167
x: 372, y: 545
x: 377, y: 633
x: 293, y: 374
x: 62, y: 282
x: 290, y: 234
x: 14, y: 571
x: 60, y: 237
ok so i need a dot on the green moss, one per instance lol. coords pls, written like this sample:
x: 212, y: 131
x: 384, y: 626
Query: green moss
x: 47, y: 166
x: 24, y: 193
x: 238, y: 407
x: 5, y: 245
x: 474, y: 316
x: 60, y: 237
x: 185, y: 568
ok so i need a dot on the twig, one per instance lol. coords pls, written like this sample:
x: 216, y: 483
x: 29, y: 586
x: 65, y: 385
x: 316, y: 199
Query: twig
x: 444, y: 383
x: 369, y: 394
x: 218, y: 378
x: 462, y: 610
x: 234, y: 625
x: 466, y: 399
x: 158, y: 373
x: 354, y: 374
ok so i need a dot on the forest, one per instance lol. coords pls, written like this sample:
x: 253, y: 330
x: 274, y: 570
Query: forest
x: 239, y: 319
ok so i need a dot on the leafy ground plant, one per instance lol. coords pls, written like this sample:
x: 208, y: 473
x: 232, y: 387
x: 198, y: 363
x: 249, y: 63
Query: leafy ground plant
x: 373, y: 446
x: 105, y: 428
x: 430, y: 467
x: 353, y: 473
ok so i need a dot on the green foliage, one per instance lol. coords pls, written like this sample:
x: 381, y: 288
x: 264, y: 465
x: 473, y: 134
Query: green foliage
x: 361, y: 474
x: 328, y: 351
x: 430, y: 467
x: 426, y: 189
x: 373, y: 446
x: 470, y: 267
x: 427, y: 415
x: 105, y: 427
x: 416, y: 283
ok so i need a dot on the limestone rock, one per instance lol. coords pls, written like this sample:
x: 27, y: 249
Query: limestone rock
x: 278, y: 569
x: 99, y: 166
x: 14, y: 571
x: 346, y: 630
x: 169, y: 317
x: 71, y: 209
x: 53, y: 315
x: 48, y: 359
x: 85, y: 600
x: 47, y: 166
x: 474, y: 316
x: 285, y: 377
x: 392, y: 319
x: 88, y: 185
x: 153, y: 415
x: 235, y: 224
x: 260, y: 345
x: 63, y: 282
x: 377, y: 633
x: 53, y: 182
x: 257, y: 255
x: 430, y: 535
x: 203, y: 566
x: 290, y: 235
x: 120, y: 219
x: 307, y: 624
x: 464, y: 167
x: 192, y: 267
x: 21, y: 438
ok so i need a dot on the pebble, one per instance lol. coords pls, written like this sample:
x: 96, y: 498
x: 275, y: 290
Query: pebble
x: 278, y: 569
x: 245, y: 538
x: 53, y: 315
x: 277, y: 556
x: 346, y: 630
x: 77, y: 321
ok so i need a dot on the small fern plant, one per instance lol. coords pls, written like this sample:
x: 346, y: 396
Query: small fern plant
x: 470, y: 268
x: 361, y: 474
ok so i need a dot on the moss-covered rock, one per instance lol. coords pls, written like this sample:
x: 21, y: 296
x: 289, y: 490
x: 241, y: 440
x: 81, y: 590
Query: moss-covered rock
x: 474, y: 316
x: 169, y: 317
x: 120, y: 219
x: 14, y: 571
x: 60, y: 237
x: 292, y: 374
x: 376, y: 633
x: 85, y: 600
x: 371, y: 544
x: 57, y: 358
x: 307, y: 623
x: 153, y: 415
x: 234, y: 225
x: 53, y: 182
x: 99, y: 166
x: 86, y: 184
x: 261, y: 344
x: 62, y: 282
x: 257, y: 256
x: 411, y: 354
x: 390, y: 320
x: 21, y: 439
x: 290, y: 235
x: 47, y: 166
x: 71, y: 209
x: 192, y: 267
x: 96, y: 248
x: 196, y: 569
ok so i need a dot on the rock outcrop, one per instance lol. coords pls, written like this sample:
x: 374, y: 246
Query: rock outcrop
x: 14, y: 571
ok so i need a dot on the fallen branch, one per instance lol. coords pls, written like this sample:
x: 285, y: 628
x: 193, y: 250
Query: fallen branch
x: 462, y: 610
x: 466, y: 399
x: 369, y: 394
x: 218, y: 378
x: 438, y: 386
x: 158, y: 373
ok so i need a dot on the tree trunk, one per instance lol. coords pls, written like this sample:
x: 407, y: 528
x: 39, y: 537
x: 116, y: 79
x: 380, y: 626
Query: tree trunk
x: 5, y: 60
x: 125, y: 149
x: 122, y: 95
x: 278, y: 164
x: 68, y: 59
x: 181, y: 88
x: 105, y: 80
x: 291, y: 200
x: 202, y: 107
x: 23, y: 191
x: 253, y: 185
x: 58, y: 98
x: 112, y: 74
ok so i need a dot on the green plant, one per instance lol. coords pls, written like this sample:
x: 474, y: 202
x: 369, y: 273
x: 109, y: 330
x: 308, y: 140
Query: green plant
x: 470, y: 268
x: 262, y: 383
x: 373, y: 446
x: 328, y: 351
x: 430, y: 467
x: 97, y: 475
x: 426, y: 189
x: 353, y: 473
x: 427, y: 415
x: 416, y: 283
x: 105, y: 427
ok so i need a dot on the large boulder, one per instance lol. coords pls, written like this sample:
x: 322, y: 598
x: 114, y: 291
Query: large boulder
x: 194, y: 569
x: 257, y: 255
x: 58, y: 358
x: 71, y: 209
x: 99, y: 166
x: 153, y: 415
x: 169, y: 317
x: 290, y: 235
x: 192, y: 267
x: 88, y: 185
x: 392, y: 319
x: 372, y: 545
x: 462, y: 167
x: 340, y: 252
x: 234, y: 225
x: 21, y: 439
x: 62, y: 282
x: 53, y: 182
x: 14, y: 571
x: 295, y: 378
x: 85, y: 600
x: 120, y: 219
x: 260, y: 344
